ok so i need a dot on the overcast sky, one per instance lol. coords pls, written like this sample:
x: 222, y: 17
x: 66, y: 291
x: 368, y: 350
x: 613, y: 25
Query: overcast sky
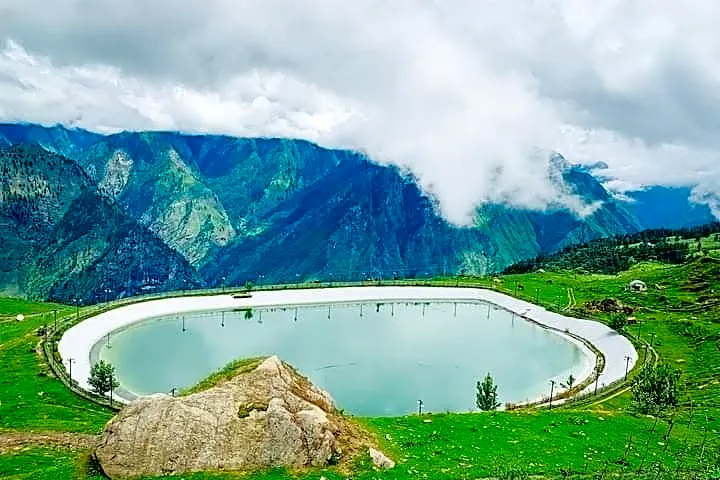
x: 470, y: 95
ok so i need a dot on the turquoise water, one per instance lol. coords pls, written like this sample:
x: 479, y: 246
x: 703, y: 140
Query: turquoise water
x: 374, y: 359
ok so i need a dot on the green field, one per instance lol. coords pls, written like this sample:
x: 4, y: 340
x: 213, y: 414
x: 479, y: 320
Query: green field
x: 596, y: 438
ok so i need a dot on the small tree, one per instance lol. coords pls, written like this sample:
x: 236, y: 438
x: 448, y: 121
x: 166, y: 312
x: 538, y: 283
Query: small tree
x: 102, y: 378
x: 486, y: 395
x: 618, y: 322
x: 569, y: 382
x: 656, y: 388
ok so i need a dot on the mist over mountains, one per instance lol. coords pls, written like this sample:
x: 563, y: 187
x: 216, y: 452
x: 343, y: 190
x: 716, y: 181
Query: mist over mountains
x: 89, y: 216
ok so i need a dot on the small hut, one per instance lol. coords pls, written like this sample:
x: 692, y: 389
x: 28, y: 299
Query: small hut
x: 637, y: 286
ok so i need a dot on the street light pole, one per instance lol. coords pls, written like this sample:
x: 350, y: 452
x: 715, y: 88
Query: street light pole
x: 552, y: 387
x: 627, y: 366
x: 70, y: 363
x: 420, y: 405
x: 597, y: 379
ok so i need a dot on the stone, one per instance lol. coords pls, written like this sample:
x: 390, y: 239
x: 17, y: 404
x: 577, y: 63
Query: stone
x: 269, y: 417
x: 380, y: 460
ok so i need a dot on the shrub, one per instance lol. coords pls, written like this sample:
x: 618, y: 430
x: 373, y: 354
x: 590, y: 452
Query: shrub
x: 656, y: 389
x: 618, y: 322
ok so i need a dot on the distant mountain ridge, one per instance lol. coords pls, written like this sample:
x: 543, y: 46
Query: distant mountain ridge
x: 668, y: 207
x: 284, y: 210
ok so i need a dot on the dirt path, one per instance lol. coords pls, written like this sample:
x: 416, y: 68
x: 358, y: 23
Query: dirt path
x: 10, y: 441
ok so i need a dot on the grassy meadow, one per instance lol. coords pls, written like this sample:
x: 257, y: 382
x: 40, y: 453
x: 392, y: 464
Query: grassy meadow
x: 596, y: 438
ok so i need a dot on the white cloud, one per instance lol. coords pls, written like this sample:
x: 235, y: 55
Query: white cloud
x: 469, y: 96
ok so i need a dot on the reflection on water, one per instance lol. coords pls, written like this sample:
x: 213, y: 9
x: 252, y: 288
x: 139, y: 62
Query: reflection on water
x: 374, y: 358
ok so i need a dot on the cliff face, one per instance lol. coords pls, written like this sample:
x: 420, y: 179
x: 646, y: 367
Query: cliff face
x: 60, y: 238
x: 268, y: 417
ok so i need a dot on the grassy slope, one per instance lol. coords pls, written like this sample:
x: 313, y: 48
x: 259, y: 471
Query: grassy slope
x: 232, y: 369
x: 30, y: 397
x: 588, y: 439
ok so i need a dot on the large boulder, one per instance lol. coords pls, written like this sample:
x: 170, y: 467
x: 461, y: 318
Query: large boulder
x: 271, y: 416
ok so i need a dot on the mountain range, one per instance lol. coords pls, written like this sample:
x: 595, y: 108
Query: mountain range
x: 91, y: 216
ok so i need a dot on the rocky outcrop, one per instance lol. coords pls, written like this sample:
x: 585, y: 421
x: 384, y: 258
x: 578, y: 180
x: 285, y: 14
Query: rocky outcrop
x: 380, y: 460
x: 270, y: 416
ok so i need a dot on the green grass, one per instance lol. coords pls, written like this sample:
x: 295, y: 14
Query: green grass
x: 30, y: 397
x: 47, y: 463
x: 10, y: 307
x: 232, y: 369
x: 680, y: 311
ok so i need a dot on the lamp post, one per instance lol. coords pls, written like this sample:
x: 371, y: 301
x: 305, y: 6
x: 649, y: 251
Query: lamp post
x: 420, y: 405
x: 222, y: 285
x: 552, y: 387
x: 597, y: 379
x: 627, y: 366
x: 77, y: 309
x: 70, y: 364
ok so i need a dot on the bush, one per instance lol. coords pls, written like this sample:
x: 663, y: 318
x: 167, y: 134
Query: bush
x: 618, y: 322
x: 656, y: 389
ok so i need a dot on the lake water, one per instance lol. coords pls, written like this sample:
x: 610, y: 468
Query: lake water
x: 374, y: 359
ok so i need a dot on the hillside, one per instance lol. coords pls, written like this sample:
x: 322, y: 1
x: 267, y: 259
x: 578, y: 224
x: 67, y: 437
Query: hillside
x: 285, y: 210
x: 597, y: 437
x: 61, y: 239
x: 616, y: 254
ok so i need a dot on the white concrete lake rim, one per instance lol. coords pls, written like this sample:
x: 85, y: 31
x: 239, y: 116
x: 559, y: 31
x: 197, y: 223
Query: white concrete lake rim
x: 80, y: 342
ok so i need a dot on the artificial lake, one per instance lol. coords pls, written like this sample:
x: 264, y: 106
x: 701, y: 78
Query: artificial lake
x: 375, y: 359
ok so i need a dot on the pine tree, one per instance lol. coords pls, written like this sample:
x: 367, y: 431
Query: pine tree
x: 486, y: 396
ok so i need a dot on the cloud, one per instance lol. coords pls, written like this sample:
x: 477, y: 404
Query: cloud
x: 470, y: 96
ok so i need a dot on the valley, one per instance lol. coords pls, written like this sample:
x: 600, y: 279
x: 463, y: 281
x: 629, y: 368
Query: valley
x: 262, y: 210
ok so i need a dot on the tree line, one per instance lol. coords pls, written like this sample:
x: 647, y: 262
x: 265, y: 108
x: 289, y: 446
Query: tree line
x: 616, y: 254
